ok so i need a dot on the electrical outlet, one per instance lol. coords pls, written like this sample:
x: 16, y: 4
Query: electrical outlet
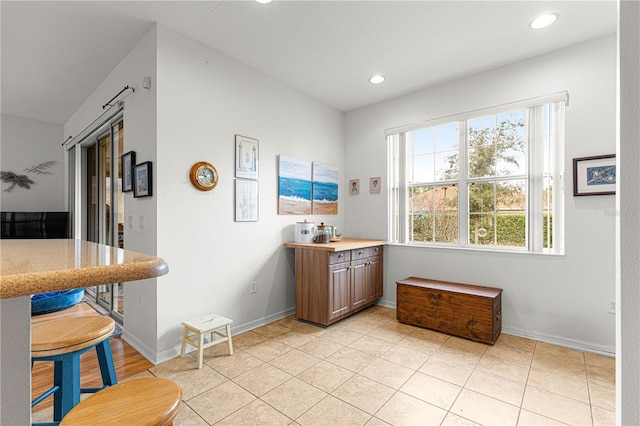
x: 612, y: 307
x: 141, y: 222
x: 254, y: 287
x: 140, y: 301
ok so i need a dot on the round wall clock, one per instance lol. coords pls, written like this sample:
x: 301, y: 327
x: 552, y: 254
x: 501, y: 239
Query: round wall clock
x: 203, y: 176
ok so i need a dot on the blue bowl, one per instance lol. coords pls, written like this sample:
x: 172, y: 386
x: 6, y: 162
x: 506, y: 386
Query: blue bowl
x: 55, y: 301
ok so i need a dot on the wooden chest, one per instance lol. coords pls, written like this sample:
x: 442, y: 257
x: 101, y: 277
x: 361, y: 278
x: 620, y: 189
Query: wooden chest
x: 469, y: 311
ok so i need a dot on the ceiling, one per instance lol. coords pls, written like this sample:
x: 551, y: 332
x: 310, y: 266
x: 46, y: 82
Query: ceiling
x: 54, y: 54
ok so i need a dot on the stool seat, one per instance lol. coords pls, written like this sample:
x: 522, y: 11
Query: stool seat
x: 195, y: 330
x: 69, y: 334
x: 146, y: 401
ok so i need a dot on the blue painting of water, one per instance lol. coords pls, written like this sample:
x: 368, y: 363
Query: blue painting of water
x: 325, y: 191
x: 601, y: 175
x: 294, y: 188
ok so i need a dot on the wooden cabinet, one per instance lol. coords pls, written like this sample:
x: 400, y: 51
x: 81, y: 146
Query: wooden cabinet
x: 333, y: 284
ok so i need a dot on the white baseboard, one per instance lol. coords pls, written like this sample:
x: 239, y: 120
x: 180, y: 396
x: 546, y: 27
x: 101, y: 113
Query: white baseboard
x: 139, y: 346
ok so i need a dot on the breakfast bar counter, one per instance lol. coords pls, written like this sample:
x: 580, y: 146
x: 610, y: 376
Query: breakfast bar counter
x: 38, y: 266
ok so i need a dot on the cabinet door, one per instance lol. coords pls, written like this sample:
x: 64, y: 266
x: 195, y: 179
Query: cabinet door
x: 358, y: 283
x: 374, y: 278
x: 339, y: 290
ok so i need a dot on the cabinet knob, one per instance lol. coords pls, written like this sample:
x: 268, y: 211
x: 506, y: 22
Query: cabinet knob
x: 360, y: 252
x: 340, y: 255
x: 376, y: 249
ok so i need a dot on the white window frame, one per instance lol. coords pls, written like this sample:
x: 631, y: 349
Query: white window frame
x: 398, y: 226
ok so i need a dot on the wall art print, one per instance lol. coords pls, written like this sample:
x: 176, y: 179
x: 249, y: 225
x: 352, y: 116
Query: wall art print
x: 325, y: 189
x: 23, y: 181
x: 247, y: 154
x: 294, y: 185
x: 594, y: 175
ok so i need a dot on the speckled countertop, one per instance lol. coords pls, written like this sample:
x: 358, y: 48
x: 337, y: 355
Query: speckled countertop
x: 39, y: 266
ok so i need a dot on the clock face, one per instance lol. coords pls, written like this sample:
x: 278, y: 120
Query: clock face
x: 204, y: 176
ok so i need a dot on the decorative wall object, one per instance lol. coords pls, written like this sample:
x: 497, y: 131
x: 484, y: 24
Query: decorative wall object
x: 246, y: 200
x: 354, y: 186
x: 23, y: 181
x: 374, y: 185
x: 247, y: 155
x: 142, y: 180
x: 127, y: 161
x: 594, y: 175
x: 325, y: 189
x: 294, y: 186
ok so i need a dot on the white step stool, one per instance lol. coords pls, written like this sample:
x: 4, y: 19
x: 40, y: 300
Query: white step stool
x: 194, y: 331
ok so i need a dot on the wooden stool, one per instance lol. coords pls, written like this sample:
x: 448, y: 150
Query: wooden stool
x: 149, y: 401
x: 195, y: 330
x: 63, y: 341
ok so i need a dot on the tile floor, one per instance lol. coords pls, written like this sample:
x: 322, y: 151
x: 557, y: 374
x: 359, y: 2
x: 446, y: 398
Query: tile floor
x: 371, y: 370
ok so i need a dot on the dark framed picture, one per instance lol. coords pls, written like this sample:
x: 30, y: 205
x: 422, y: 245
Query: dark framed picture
x: 594, y: 175
x: 127, y: 161
x: 142, y: 180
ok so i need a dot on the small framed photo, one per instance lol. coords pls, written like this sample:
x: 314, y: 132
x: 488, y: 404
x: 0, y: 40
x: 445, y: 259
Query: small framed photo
x: 127, y: 161
x: 247, y: 155
x: 246, y: 200
x: 594, y: 175
x: 142, y: 180
x: 354, y: 186
x: 374, y: 185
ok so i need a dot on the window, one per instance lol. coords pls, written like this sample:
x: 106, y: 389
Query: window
x: 481, y: 180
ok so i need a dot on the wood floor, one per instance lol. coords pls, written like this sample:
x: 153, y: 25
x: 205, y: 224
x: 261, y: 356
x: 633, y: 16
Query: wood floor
x: 128, y: 362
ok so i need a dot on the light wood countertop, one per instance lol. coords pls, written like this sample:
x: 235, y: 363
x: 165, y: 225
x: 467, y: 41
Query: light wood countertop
x: 39, y: 266
x: 341, y: 245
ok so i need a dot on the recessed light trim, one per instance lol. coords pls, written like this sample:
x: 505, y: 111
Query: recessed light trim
x: 263, y: 1
x: 377, y: 79
x: 543, y: 21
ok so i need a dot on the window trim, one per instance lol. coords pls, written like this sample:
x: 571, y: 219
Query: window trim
x: 398, y: 223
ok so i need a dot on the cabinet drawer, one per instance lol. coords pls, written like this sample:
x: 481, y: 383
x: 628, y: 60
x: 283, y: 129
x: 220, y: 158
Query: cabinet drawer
x: 339, y: 256
x: 375, y: 251
x: 361, y: 253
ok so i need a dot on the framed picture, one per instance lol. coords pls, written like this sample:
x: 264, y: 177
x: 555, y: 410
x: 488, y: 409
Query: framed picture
x: 142, y: 180
x: 127, y: 162
x: 294, y: 185
x: 246, y: 157
x: 246, y: 200
x: 374, y: 185
x: 324, y: 189
x: 354, y: 187
x: 594, y: 175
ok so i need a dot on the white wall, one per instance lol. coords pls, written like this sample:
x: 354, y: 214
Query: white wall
x: 26, y: 143
x: 204, y: 100
x: 561, y: 299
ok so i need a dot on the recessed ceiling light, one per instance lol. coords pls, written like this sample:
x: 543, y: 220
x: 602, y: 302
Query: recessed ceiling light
x: 264, y: 1
x: 376, y: 79
x: 543, y: 21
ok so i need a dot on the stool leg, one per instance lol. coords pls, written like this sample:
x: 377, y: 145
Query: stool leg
x: 200, y: 349
x: 229, y: 339
x: 185, y: 334
x: 66, y: 374
x: 105, y: 360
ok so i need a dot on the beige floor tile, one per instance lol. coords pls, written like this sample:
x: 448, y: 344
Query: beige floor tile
x: 351, y: 359
x: 342, y: 336
x: 599, y: 361
x: 256, y: 413
x: 268, y: 350
x: 546, y: 349
x: 603, y: 417
x: 320, y: 347
x: 262, y: 379
x: 271, y: 331
x: 366, y: 323
x: 576, y: 389
x: 557, y: 407
x: 374, y: 421
x: 187, y: 417
x: 294, y: 362
x: 235, y: 365
x: 499, y: 367
x: 371, y: 345
x: 560, y: 365
x: 247, y: 339
x: 326, y: 376
x: 461, y: 351
x: 511, y: 354
x: 432, y: 390
x: 420, y: 343
x: 455, y: 420
x: 387, y: 373
x: 403, y: 409
x: 527, y: 418
x: 484, y: 410
x: 602, y: 397
x: 363, y: 393
x: 294, y: 338
x: 332, y: 411
x: 392, y: 331
x: 497, y: 387
x: 294, y: 397
x: 604, y: 376
x: 447, y: 370
x: 191, y: 379
x: 306, y: 328
x: 405, y: 356
x: 516, y: 342
x: 217, y: 403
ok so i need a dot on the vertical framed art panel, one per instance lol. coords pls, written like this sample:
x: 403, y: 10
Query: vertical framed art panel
x: 142, y: 180
x: 127, y: 161
x: 247, y: 157
x: 325, y: 189
x: 294, y: 185
x: 246, y: 200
